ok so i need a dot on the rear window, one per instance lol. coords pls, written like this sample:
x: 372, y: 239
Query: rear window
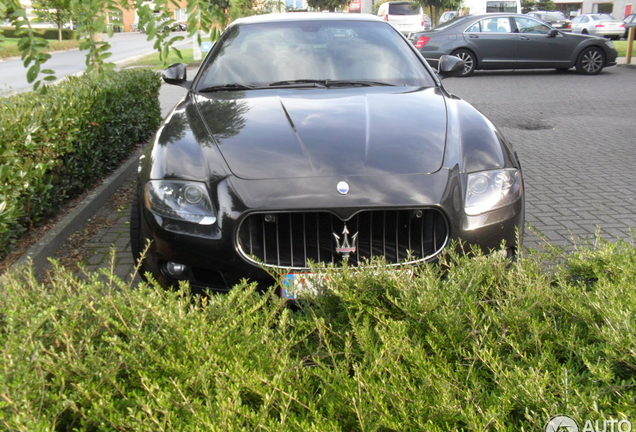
x: 602, y: 17
x: 555, y: 16
x: 404, y: 9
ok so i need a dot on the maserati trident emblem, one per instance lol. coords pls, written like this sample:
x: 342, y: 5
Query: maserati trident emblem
x: 347, y: 246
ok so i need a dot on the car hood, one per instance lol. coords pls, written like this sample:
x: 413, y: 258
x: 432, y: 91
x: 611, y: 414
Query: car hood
x: 304, y: 133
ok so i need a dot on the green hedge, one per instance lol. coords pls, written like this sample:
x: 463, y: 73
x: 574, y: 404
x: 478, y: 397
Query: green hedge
x: 55, y: 146
x: 479, y: 346
x: 49, y: 33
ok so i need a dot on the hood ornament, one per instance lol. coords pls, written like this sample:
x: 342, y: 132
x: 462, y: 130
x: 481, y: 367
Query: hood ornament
x: 347, y: 246
x: 343, y: 188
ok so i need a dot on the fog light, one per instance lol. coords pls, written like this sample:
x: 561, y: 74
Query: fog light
x: 175, y: 269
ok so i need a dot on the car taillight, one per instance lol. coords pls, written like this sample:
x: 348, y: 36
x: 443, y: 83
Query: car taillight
x: 386, y: 17
x: 622, y: 25
x: 423, y: 40
x: 569, y: 25
x: 600, y: 25
x: 423, y: 23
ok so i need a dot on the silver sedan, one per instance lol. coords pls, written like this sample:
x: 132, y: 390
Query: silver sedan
x: 603, y: 25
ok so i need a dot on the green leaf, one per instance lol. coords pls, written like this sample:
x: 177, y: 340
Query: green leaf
x: 32, y: 73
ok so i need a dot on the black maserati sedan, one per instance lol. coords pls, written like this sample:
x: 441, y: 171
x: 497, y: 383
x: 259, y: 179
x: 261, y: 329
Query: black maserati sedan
x: 513, y: 41
x: 318, y: 138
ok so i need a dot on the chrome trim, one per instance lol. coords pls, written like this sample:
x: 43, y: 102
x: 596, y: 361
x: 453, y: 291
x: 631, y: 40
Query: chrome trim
x: 424, y: 231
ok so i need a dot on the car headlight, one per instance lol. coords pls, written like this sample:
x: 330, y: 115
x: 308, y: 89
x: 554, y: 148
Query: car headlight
x: 182, y: 200
x: 490, y: 190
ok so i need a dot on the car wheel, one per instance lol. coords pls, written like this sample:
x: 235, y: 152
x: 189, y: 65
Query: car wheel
x: 136, y: 242
x: 469, y: 59
x: 584, y: 31
x: 590, y: 61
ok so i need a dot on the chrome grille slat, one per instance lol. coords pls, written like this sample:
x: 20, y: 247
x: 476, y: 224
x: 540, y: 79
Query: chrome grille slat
x: 291, y: 239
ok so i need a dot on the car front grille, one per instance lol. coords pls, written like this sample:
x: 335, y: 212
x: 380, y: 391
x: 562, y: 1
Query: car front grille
x: 291, y: 240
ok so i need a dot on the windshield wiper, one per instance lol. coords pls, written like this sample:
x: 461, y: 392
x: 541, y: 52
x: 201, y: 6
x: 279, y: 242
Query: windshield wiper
x: 300, y: 82
x: 361, y: 83
x: 328, y: 83
x: 227, y: 87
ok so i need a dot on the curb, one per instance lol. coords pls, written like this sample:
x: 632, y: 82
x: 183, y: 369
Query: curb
x: 77, y: 218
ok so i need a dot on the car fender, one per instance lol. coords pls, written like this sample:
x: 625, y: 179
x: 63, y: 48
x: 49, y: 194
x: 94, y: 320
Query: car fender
x: 183, y: 147
x: 482, y: 145
x: 586, y: 43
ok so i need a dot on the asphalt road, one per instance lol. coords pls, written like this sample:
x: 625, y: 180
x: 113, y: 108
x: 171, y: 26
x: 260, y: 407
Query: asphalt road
x: 575, y: 135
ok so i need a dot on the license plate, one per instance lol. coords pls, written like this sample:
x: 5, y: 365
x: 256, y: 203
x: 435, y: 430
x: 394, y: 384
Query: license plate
x: 298, y: 285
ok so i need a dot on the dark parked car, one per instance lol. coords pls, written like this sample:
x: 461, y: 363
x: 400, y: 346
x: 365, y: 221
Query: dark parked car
x: 513, y: 41
x: 629, y: 21
x: 318, y: 137
x: 555, y: 18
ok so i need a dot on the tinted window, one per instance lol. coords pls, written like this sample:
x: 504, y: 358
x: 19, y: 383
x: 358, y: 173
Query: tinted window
x: 261, y: 54
x: 404, y: 9
x: 554, y: 16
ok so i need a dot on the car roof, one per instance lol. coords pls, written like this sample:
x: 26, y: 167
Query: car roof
x: 306, y: 16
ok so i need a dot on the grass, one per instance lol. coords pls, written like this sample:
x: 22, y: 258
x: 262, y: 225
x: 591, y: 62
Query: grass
x: 152, y: 60
x: 470, y: 345
x: 9, y: 47
x: 621, y: 47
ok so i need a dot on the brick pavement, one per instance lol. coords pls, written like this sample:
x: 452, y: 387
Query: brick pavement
x: 575, y: 136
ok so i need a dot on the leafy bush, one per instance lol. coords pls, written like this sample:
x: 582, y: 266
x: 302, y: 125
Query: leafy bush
x: 54, y: 146
x: 480, y: 345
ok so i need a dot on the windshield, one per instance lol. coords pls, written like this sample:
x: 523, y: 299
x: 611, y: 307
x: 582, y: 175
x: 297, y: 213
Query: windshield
x: 297, y: 53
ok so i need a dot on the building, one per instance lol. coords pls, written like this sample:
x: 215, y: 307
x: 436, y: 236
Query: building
x: 619, y: 9
x: 130, y: 19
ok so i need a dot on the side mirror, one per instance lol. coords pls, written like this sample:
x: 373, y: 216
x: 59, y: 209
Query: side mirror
x: 553, y: 33
x: 176, y: 74
x: 450, y: 66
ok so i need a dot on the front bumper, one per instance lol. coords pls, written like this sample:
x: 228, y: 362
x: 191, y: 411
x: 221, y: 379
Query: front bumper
x: 213, y: 261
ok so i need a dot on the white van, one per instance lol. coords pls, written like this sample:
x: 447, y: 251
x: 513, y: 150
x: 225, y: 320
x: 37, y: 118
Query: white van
x: 406, y: 16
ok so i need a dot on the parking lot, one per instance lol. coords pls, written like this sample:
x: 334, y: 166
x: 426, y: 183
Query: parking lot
x: 576, y: 136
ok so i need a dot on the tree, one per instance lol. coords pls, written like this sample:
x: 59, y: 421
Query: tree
x: 57, y: 12
x: 530, y: 5
x: 437, y: 7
